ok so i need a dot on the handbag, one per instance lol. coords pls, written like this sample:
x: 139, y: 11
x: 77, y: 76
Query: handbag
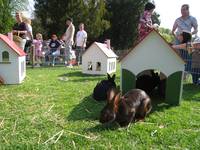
x: 17, y: 38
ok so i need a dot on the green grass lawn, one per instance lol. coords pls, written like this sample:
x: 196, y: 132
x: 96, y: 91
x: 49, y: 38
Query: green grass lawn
x: 47, y: 113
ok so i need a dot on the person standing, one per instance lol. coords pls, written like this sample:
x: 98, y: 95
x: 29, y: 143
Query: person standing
x: 69, y: 41
x: 81, y: 39
x: 29, y: 35
x: 38, y: 48
x: 183, y: 24
x: 19, y: 31
x: 196, y: 62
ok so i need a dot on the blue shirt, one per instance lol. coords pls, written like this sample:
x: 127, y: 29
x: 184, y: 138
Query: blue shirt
x: 185, y: 24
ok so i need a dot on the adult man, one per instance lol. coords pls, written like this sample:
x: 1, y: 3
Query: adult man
x: 69, y: 41
x: 81, y: 38
x: 19, y: 30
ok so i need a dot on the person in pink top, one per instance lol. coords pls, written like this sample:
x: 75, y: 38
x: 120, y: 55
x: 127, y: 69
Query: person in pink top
x: 145, y: 23
x: 38, y: 48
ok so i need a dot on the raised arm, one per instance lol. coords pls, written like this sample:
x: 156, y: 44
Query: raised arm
x: 195, y: 26
x: 174, y: 28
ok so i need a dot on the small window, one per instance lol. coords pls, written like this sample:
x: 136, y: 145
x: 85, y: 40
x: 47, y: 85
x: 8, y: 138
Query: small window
x: 5, y: 56
x: 98, y: 66
x: 113, y: 65
x: 90, y: 65
x: 109, y: 66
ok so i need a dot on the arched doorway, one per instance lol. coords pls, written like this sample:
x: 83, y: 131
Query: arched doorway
x: 153, y: 82
x: 168, y: 89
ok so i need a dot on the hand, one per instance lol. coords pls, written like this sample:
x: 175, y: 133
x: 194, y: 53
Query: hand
x: 14, y: 31
x: 155, y: 26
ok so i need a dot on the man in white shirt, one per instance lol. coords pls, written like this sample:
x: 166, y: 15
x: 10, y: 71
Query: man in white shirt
x: 69, y: 41
x: 81, y: 39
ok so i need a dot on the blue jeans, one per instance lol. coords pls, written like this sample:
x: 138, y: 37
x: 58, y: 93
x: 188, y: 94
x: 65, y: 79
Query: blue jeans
x: 185, y: 56
x: 49, y: 53
x: 54, y: 55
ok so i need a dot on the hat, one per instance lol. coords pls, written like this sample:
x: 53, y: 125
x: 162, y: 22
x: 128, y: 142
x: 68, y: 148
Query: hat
x: 197, y: 41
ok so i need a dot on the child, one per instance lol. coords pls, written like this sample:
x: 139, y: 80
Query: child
x: 196, y: 61
x: 38, y: 48
x: 184, y: 39
x: 54, y: 48
x: 194, y: 50
x: 145, y: 24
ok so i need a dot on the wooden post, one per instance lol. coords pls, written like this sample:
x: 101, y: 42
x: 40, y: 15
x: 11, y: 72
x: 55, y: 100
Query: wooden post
x: 32, y: 56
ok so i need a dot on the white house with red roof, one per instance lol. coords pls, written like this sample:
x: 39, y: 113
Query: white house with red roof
x: 154, y: 53
x: 12, y: 62
x: 99, y: 59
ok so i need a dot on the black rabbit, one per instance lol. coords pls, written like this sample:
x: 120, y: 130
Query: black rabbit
x: 101, y: 89
x: 162, y: 88
x: 148, y: 82
x: 131, y: 107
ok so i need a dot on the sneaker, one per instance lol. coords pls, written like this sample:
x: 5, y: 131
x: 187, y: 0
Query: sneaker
x: 65, y: 63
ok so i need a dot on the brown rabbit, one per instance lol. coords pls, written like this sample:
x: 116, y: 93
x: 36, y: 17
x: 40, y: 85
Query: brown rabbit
x: 131, y: 107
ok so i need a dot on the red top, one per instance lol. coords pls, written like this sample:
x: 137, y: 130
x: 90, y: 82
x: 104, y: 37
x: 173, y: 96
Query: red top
x: 12, y: 45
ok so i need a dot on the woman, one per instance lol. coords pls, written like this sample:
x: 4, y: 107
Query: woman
x: 186, y: 23
x: 19, y: 31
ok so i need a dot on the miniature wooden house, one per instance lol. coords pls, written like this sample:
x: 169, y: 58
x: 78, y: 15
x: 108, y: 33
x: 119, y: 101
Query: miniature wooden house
x: 12, y: 62
x: 154, y: 53
x: 99, y: 59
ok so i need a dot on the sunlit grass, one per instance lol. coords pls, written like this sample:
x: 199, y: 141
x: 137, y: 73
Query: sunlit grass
x: 46, y: 112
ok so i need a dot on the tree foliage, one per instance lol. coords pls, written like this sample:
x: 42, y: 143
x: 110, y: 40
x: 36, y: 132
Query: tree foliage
x: 124, y: 20
x: 6, y: 19
x: 114, y: 19
x: 7, y: 8
x: 52, y: 16
x: 167, y: 34
x: 155, y: 18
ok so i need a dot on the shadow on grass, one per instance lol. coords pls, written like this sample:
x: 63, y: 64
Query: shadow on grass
x: 84, y: 77
x: 191, y: 92
x: 87, y: 109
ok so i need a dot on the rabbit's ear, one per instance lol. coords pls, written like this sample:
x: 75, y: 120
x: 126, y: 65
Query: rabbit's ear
x: 152, y: 73
x: 110, y: 95
x: 116, y: 102
x: 109, y: 77
x: 113, y: 77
